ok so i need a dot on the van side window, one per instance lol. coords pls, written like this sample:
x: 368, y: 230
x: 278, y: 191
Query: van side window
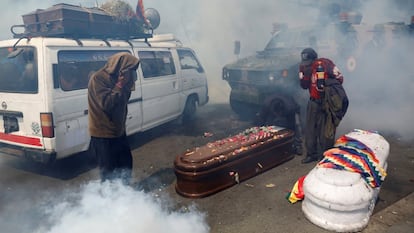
x: 188, y: 60
x: 18, y: 70
x: 76, y: 67
x: 156, y: 63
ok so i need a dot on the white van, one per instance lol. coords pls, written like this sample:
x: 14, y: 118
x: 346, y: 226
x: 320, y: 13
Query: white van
x: 43, y: 90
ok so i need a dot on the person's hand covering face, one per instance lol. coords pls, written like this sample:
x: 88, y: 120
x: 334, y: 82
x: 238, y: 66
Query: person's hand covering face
x: 127, y: 79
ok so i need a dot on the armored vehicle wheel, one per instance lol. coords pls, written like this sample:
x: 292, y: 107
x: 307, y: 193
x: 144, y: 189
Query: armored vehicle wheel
x: 275, y: 113
x: 243, y: 110
x: 277, y: 107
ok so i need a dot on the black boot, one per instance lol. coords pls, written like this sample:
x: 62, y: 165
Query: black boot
x: 297, y: 149
x: 309, y: 159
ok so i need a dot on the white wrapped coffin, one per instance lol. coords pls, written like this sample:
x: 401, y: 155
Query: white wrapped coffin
x: 343, y: 200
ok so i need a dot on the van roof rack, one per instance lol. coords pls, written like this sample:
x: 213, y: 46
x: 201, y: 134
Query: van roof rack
x: 120, y: 36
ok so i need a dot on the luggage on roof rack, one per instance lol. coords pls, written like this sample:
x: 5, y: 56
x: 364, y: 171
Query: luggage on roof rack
x: 65, y: 20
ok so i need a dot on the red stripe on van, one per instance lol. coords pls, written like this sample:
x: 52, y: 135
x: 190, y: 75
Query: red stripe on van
x: 20, y: 139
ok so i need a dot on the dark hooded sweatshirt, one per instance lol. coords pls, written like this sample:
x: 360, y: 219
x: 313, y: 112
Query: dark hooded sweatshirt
x: 107, y: 102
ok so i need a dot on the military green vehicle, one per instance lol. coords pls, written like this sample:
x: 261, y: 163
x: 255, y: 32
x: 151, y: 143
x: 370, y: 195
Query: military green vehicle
x: 270, y: 77
x: 273, y: 72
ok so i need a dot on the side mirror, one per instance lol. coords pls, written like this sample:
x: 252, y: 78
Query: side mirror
x: 16, y: 52
x: 200, y: 69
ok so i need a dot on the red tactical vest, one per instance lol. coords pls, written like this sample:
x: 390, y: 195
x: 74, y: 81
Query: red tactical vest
x: 322, y: 68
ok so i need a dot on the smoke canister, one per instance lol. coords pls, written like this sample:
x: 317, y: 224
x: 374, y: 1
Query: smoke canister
x: 320, y: 76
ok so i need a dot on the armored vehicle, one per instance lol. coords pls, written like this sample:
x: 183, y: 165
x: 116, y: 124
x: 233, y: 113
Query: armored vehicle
x: 270, y: 77
x: 273, y: 72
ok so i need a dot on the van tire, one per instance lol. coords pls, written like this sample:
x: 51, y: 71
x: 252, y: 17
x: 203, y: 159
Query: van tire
x: 190, y: 109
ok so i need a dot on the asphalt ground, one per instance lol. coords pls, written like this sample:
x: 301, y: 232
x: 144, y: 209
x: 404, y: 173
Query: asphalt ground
x: 256, y: 205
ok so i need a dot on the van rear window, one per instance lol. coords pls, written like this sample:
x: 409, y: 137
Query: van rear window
x: 18, y: 70
x: 75, y: 67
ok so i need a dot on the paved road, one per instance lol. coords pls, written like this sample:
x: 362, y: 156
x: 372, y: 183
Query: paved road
x: 32, y: 196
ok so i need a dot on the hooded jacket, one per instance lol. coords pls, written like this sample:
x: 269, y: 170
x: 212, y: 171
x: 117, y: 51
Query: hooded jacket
x: 107, y: 102
x: 335, y: 104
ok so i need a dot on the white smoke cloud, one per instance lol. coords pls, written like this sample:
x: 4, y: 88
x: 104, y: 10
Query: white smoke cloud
x: 112, y: 207
x: 378, y: 100
x: 382, y: 89
x: 211, y: 27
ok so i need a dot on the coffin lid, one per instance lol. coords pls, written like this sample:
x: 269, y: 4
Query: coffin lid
x: 229, y: 148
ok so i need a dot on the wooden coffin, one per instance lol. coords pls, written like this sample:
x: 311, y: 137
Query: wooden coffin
x: 65, y: 20
x: 218, y: 165
x: 31, y: 22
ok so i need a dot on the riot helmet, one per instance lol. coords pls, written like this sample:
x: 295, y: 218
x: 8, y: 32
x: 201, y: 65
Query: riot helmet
x: 308, y: 54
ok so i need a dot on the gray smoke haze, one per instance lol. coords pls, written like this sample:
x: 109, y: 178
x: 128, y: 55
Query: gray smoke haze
x: 382, y: 89
x: 380, y: 99
x: 211, y: 27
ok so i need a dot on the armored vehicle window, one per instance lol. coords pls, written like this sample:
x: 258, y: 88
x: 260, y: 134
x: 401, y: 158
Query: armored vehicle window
x: 156, y: 63
x: 283, y: 40
x: 188, y: 60
x: 18, y: 68
x: 75, y: 67
x: 318, y: 38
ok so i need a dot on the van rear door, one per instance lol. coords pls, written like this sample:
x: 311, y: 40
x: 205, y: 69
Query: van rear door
x: 21, y: 99
x: 71, y: 74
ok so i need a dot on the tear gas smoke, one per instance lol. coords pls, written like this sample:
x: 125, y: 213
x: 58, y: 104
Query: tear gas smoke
x: 211, y: 27
x: 113, y: 207
x: 382, y: 87
x: 380, y: 99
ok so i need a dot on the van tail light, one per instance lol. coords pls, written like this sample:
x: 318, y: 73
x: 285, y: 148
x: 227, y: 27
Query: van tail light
x: 46, y: 122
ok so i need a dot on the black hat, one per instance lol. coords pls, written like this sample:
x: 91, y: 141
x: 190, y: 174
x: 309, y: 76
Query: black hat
x: 308, y: 54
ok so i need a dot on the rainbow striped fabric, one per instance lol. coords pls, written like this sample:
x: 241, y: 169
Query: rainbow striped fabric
x: 352, y: 155
x: 297, y: 193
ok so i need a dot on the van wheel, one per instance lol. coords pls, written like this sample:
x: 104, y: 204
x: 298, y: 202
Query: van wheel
x: 190, y: 109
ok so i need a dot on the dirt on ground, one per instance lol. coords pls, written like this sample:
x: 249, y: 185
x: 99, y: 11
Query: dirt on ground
x: 259, y: 202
